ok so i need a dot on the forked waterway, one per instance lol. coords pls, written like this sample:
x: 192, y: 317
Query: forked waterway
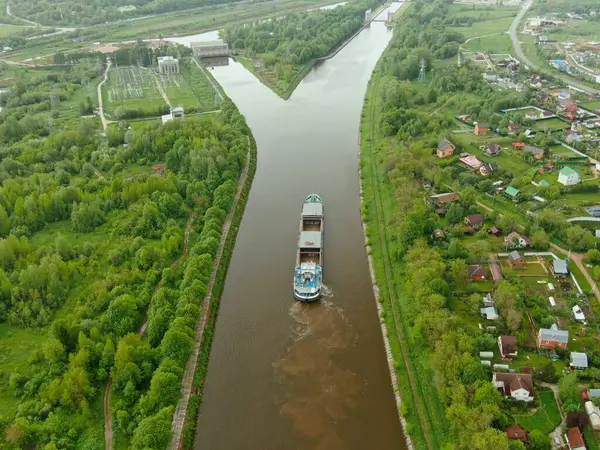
x: 285, y: 375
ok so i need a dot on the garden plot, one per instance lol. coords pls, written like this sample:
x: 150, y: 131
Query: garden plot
x: 132, y: 87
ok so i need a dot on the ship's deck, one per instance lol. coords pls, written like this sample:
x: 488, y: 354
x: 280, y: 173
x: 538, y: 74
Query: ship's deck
x: 300, y: 284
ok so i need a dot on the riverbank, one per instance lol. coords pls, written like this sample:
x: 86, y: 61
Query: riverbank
x: 269, y: 79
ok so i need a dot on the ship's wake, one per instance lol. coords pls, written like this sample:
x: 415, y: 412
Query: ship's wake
x: 317, y: 392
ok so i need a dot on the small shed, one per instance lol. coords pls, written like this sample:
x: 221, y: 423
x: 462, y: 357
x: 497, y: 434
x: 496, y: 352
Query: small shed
x: 578, y: 314
x: 486, y: 355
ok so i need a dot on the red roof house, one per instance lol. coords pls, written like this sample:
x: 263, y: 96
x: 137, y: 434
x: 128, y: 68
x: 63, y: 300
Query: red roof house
x: 518, y: 145
x: 575, y: 439
x: 517, y: 433
x: 481, y: 128
x: 477, y: 272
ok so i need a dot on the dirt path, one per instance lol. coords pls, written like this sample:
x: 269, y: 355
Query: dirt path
x: 179, y: 418
x: 100, y: 102
x: 107, y: 417
x: 161, y: 90
x: 578, y: 259
x: 495, y: 267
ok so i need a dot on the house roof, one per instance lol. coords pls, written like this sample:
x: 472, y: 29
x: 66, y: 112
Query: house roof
x: 579, y: 360
x: 476, y: 270
x: 514, y: 236
x: 567, y: 171
x: 475, y: 219
x: 489, y: 312
x: 471, y: 161
x: 444, y: 144
x: 533, y: 150
x: 514, y: 255
x: 575, y: 438
x: 482, y: 125
x: 548, y: 334
x: 442, y: 199
x: 511, y: 191
x: 509, y: 344
x: 494, y: 230
x: 560, y: 267
x: 493, y: 148
x: 514, y: 381
x: 578, y: 313
x: 516, y: 432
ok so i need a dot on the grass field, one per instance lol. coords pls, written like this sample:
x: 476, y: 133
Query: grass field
x: 500, y: 43
x: 16, y: 345
x: 551, y: 124
x: 592, y: 106
x: 7, y: 30
x: 546, y: 418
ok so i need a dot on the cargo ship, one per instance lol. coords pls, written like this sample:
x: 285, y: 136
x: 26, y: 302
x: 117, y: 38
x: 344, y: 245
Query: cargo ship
x: 308, y: 275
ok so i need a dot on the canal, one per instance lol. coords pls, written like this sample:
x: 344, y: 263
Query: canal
x: 285, y: 375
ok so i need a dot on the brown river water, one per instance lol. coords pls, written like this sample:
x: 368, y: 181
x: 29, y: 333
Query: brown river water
x: 285, y: 375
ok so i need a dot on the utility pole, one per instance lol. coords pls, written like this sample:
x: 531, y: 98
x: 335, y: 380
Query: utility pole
x: 422, y: 71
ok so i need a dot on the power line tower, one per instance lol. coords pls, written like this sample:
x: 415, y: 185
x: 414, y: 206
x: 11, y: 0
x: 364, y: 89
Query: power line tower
x: 422, y: 71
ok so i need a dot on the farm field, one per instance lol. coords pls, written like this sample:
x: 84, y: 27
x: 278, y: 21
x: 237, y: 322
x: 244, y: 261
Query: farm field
x: 491, y: 44
x: 7, y: 30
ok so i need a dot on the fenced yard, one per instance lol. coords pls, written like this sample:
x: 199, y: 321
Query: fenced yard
x: 131, y: 87
x: 137, y: 88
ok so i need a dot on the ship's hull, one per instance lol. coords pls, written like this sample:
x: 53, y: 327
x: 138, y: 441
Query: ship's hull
x: 308, y: 275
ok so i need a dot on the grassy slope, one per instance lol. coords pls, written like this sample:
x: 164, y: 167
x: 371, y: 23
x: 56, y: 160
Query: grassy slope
x: 424, y: 413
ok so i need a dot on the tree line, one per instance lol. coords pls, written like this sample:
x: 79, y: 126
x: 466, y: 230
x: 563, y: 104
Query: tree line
x: 284, y: 44
x: 118, y: 236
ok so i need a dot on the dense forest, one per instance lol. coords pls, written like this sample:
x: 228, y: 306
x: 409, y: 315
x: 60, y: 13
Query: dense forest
x: 464, y: 410
x: 82, y: 12
x: 285, y: 44
x: 85, y: 247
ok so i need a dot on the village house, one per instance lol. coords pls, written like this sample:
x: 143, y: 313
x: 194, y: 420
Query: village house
x: 568, y: 108
x: 560, y: 268
x: 445, y: 149
x: 489, y: 313
x: 492, y: 149
x: 508, y: 346
x: 486, y: 170
x: 477, y: 272
x: 578, y: 360
x: 481, y: 128
x: 516, y: 260
x: 517, y: 433
x: 550, y: 338
x: 575, y: 439
x: 514, y: 128
x: 471, y: 161
x: 546, y: 114
x: 518, y: 145
x: 494, y: 231
x: 532, y: 114
x: 537, y: 153
x: 568, y: 176
x: 475, y: 221
x: 512, y: 193
x: 443, y: 199
x: 516, y: 240
x: 514, y: 386
x: 490, y: 75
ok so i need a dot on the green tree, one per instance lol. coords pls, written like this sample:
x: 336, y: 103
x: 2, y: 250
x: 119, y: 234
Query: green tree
x: 538, y: 441
x: 153, y: 432
x: 593, y: 255
x: 455, y: 213
x: 122, y: 315
x: 569, y: 391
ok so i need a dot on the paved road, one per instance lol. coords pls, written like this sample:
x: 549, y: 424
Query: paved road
x: 521, y: 56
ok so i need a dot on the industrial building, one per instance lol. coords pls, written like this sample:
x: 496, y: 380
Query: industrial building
x: 168, y: 65
x: 210, y: 48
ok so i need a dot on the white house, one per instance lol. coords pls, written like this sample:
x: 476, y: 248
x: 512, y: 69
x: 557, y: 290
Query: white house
x: 514, y: 386
x: 568, y: 176
x: 176, y: 113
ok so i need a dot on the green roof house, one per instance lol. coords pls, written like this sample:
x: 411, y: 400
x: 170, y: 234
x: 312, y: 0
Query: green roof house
x: 568, y: 176
x: 512, y: 193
